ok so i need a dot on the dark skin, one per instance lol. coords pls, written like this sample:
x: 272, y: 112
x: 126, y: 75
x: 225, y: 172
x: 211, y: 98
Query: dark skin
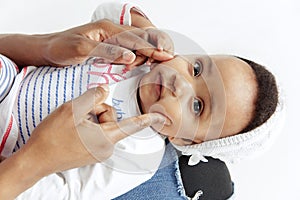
x: 102, y: 39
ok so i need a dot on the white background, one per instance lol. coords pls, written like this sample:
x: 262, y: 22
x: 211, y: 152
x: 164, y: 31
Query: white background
x: 266, y: 31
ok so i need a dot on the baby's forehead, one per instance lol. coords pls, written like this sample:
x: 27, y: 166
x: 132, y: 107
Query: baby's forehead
x: 215, y: 60
x: 194, y: 57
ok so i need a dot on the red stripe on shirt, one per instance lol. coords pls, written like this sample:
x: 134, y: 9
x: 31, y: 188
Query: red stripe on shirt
x: 17, y: 68
x: 122, y: 14
x: 24, y: 72
x: 6, y: 134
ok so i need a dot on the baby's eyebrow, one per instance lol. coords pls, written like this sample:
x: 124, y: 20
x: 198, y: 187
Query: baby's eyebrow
x: 212, y: 103
x: 209, y: 66
x: 211, y: 96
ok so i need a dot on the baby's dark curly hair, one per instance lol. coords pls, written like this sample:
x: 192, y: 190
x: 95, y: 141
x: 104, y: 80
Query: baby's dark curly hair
x: 267, y: 95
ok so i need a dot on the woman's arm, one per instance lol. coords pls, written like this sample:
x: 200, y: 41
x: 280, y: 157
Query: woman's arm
x: 60, y: 49
x: 24, y: 49
x: 18, y: 173
x: 102, y: 38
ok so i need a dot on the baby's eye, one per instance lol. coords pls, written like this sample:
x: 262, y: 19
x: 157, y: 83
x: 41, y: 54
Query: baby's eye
x: 197, y: 106
x: 198, y: 67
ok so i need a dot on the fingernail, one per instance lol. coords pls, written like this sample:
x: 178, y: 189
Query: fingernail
x: 148, y: 62
x: 128, y: 56
x: 169, y: 55
x: 105, y: 87
x: 160, y: 48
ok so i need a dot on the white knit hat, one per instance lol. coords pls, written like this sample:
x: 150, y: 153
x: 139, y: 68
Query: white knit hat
x: 234, y: 148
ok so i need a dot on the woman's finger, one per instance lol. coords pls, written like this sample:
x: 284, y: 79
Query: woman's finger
x: 129, y: 126
x: 85, y: 103
x: 105, y: 113
x: 139, y: 60
x: 165, y: 44
x: 161, y: 40
x: 111, y: 53
x: 102, y: 113
x: 130, y: 40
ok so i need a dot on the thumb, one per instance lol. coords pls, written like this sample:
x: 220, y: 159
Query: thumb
x: 111, y: 53
x: 140, y: 59
x: 132, y: 125
x: 85, y: 103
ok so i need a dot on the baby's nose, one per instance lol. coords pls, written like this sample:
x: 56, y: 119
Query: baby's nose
x: 181, y: 86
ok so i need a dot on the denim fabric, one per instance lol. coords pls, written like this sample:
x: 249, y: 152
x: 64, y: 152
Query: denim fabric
x: 165, y: 184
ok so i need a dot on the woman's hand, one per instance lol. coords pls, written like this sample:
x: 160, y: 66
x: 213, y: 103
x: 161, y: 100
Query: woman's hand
x: 103, y: 39
x: 83, y: 131
x: 160, y: 40
x: 111, y: 42
x: 80, y: 132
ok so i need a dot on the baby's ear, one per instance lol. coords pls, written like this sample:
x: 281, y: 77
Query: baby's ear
x: 197, y: 141
x: 180, y: 141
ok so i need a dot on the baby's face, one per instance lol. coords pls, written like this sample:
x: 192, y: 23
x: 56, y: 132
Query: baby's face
x: 202, y: 98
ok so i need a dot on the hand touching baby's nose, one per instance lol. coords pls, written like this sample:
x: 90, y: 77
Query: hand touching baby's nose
x: 73, y: 138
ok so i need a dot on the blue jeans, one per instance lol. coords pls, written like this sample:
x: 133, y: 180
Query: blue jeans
x: 165, y: 184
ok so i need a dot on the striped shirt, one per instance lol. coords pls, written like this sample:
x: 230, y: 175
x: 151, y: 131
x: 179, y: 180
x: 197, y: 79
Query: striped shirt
x: 8, y: 71
x: 46, y: 88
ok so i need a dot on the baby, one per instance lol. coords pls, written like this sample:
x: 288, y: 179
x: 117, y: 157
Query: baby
x: 200, y: 99
x: 207, y: 98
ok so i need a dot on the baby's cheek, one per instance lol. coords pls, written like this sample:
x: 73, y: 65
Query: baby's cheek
x: 171, y: 109
x: 173, y: 128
